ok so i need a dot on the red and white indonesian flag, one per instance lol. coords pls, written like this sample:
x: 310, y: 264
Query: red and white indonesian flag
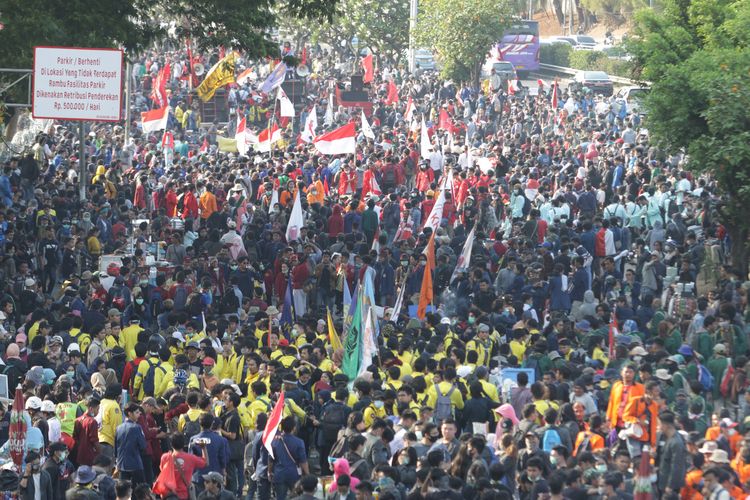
x: 366, y: 128
x: 311, y: 123
x: 409, y: 113
x: 337, y: 142
x: 462, y: 264
x: 512, y: 87
x: 240, y: 135
x: 436, y: 215
x: 274, y: 200
x: 154, y: 120
x: 245, y: 76
x: 425, y: 145
x: 296, y: 220
x: 285, y: 105
x: 267, y: 138
x: 272, y: 426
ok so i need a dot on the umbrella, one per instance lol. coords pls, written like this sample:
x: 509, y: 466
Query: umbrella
x: 17, y: 430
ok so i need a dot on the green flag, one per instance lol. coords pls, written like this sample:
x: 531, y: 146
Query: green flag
x: 352, y: 346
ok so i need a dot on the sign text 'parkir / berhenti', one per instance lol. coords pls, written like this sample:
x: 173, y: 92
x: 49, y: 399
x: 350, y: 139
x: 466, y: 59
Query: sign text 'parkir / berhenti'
x: 77, y: 84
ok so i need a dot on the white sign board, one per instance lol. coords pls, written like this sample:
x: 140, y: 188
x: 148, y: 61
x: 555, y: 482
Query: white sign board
x: 77, y: 84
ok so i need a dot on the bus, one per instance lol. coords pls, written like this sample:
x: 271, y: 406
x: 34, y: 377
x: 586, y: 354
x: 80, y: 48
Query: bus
x: 520, y: 46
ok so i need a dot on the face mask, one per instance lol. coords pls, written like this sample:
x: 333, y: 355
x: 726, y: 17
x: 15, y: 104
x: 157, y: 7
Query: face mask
x: 553, y: 461
x: 144, y: 282
x: 379, y: 404
x: 405, y: 461
x: 432, y: 438
x: 71, y: 375
x: 35, y: 468
x: 233, y: 268
x: 139, y: 301
x: 63, y: 455
x: 472, y: 320
x: 602, y: 468
x: 404, y: 263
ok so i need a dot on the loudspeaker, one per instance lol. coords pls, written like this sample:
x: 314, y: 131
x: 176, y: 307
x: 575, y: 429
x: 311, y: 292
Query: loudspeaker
x: 294, y: 90
x: 357, y: 83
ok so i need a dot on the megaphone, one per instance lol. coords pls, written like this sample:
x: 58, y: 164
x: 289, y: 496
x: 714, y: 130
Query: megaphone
x: 303, y: 70
x: 198, y: 69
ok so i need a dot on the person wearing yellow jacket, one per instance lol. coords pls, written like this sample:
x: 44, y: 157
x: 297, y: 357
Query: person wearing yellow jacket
x: 111, y: 417
x: 376, y: 409
x: 261, y: 402
x: 149, y: 367
x: 194, y: 412
x: 167, y: 381
x: 129, y: 337
x: 448, y: 382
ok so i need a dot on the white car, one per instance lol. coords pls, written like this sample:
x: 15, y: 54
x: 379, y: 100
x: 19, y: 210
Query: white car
x: 633, y: 97
x: 424, y: 60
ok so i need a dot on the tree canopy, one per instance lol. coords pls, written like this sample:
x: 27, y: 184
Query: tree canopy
x: 697, y: 54
x: 462, y: 33
x: 137, y: 24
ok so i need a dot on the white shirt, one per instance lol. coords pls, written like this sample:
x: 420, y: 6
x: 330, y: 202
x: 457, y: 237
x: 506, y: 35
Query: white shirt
x: 37, y: 486
x: 436, y: 161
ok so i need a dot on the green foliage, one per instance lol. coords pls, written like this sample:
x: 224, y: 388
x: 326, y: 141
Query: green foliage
x: 697, y: 55
x: 137, y: 24
x: 461, y: 33
x: 594, y: 60
x: 557, y: 54
x: 613, y: 12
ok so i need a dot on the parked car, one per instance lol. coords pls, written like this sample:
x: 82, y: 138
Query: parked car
x: 633, y: 97
x: 598, y: 82
x: 504, y: 69
x: 424, y: 60
x: 584, y: 42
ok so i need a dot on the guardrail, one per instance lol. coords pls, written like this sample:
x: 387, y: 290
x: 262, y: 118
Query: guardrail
x: 562, y: 70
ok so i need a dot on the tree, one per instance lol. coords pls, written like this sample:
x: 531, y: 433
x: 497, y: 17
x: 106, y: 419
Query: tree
x: 697, y: 54
x: 137, y: 24
x: 462, y: 33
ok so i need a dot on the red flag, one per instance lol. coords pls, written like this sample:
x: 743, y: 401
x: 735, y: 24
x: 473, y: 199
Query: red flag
x: 303, y: 56
x: 554, y: 96
x: 167, y: 140
x: 445, y: 120
x: 325, y: 185
x: 512, y: 87
x: 191, y: 62
x: 409, y: 113
x: 204, y: 146
x: 392, y: 94
x: 612, y: 333
x: 367, y: 65
x: 222, y: 52
x: 17, y: 430
x: 272, y: 426
x: 159, y: 86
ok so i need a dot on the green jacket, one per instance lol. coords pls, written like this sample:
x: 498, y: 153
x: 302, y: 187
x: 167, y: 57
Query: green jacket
x: 369, y: 221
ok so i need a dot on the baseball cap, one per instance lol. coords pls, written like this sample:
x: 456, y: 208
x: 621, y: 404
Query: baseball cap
x: 214, y: 477
x: 208, y: 362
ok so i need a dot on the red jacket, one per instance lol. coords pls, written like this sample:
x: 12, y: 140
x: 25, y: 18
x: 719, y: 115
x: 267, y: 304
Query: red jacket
x: 190, y: 206
x: 600, y: 246
x: 300, y: 275
x: 335, y: 222
x: 347, y: 182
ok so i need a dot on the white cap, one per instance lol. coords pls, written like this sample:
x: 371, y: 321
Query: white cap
x: 74, y: 347
x: 178, y: 335
x: 48, y: 406
x: 33, y: 403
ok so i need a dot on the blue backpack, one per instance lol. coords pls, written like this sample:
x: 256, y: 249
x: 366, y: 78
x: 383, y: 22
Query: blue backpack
x: 705, y: 378
x: 550, y: 440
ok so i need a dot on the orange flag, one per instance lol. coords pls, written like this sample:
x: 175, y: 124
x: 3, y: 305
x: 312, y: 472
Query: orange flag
x: 392, y: 97
x: 425, y: 293
x: 367, y: 66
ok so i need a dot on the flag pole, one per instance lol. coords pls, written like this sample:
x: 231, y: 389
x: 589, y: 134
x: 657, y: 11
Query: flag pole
x: 270, y: 126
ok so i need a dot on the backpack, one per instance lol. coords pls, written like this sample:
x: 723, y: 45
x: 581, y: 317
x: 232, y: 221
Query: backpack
x: 191, y: 428
x: 551, y: 439
x: 727, y: 379
x: 229, y: 303
x: 180, y: 297
x: 333, y: 420
x: 444, y: 405
x: 533, y: 363
x: 526, y: 206
x: 339, y: 448
x: 584, y: 445
x: 156, y: 301
x: 149, y: 380
x: 131, y: 380
x: 705, y: 378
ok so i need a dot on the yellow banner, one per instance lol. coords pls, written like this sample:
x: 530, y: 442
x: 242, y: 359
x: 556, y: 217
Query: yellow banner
x: 226, y: 145
x: 222, y: 73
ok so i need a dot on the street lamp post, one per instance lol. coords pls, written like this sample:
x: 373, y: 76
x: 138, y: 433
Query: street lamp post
x: 413, y: 8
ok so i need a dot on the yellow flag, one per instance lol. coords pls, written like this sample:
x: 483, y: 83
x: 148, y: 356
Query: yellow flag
x: 222, y: 73
x: 226, y: 145
x: 332, y: 335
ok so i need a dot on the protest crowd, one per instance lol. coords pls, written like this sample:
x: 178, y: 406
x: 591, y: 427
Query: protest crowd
x: 493, y: 293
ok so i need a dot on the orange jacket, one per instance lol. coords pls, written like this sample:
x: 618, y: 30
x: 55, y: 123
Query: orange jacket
x: 207, y: 204
x: 616, y: 396
x: 691, y: 491
x: 741, y: 468
x: 597, y: 442
x: 637, y: 411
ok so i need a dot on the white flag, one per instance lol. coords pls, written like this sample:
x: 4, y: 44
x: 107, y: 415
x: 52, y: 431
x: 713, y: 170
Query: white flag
x: 399, y: 302
x: 425, y: 145
x: 436, y: 215
x: 462, y: 264
x: 366, y: 129
x: 296, y: 220
x: 369, y: 348
x: 285, y: 105
x: 274, y: 201
x: 311, y: 123
x: 329, y: 111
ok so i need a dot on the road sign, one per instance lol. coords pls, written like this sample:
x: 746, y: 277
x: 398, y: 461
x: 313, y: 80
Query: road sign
x: 77, y: 84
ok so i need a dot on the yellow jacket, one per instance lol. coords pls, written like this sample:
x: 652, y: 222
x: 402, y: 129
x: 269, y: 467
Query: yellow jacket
x: 490, y: 391
x: 111, y: 418
x: 371, y: 413
x: 167, y: 381
x: 261, y: 404
x: 143, y: 367
x: 192, y: 414
x: 128, y: 339
x: 456, y: 399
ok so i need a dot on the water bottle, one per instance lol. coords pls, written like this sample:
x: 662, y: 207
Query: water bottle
x: 152, y: 275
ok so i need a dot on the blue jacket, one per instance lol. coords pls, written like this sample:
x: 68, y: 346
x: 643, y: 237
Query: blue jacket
x: 580, y: 285
x: 386, y: 279
x: 218, y: 454
x: 559, y: 298
x: 129, y: 444
x: 289, y: 453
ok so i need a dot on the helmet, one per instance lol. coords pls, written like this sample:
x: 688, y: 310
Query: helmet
x: 48, y: 406
x: 33, y: 403
x: 180, y: 377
